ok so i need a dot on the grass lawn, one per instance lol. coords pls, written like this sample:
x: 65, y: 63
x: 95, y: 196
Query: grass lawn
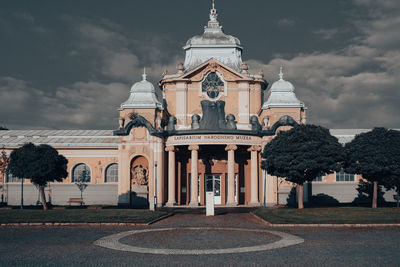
x: 330, y: 215
x: 80, y: 216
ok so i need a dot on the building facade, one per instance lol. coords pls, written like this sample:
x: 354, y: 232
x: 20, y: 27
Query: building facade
x: 205, y: 134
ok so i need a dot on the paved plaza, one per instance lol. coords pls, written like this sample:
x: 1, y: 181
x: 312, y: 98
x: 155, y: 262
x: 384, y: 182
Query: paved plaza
x: 81, y: 245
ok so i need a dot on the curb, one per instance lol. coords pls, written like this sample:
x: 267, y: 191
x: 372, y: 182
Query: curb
x: 160, y: 218
x: 321, y: 225
x: 85, y: 224
x: 71, y: 224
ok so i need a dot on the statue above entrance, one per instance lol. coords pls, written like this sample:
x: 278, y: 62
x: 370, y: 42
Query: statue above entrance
x: 213, y: 117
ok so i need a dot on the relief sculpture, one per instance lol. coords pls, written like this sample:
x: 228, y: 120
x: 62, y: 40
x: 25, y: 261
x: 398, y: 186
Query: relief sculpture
x: 140, y: 175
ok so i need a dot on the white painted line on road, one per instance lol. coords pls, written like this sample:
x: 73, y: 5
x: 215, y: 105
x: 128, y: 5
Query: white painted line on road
x: 112, y: 242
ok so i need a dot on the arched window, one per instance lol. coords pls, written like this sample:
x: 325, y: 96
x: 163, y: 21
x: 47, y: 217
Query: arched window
x: 111, y: 175
x: 81, y: 173
x: 212, y: 85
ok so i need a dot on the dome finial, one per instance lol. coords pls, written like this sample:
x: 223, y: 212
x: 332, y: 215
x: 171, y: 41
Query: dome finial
x: 144, y: 74
x: 281, y: 73
x: 213, y: 12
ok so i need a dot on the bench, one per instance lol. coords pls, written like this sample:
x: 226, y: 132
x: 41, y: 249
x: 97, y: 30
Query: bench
x: 78, y: 200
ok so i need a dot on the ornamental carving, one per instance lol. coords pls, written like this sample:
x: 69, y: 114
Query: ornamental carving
x: 140, y: 175
x: 193, y: 147
x: 213, y: 66
x: 230, y: 147
x: 254, y: 148
x: 170, y: 148
x: 212, y: 85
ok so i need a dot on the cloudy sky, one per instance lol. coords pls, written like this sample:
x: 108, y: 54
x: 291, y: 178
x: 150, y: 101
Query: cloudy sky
x: 69, y: 64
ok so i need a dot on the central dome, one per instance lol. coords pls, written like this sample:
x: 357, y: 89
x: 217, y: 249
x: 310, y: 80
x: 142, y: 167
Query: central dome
x: 213, y: 43
x: 211, y: 38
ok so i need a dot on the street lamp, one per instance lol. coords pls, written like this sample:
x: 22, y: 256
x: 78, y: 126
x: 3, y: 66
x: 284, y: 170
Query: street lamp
x: 265, y: 187
x: 155, y: 185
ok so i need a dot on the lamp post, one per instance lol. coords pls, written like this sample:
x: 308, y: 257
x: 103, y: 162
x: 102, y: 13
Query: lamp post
x: 155, y: 186
x: 265, y: 188
x: 22, y: 193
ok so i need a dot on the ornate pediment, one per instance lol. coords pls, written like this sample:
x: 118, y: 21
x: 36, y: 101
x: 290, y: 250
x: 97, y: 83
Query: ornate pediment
x: 212, y: 66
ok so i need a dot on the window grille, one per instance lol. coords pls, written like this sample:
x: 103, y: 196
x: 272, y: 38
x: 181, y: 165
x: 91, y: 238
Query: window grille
x: 344, y: 177
x: 111, y: 173
x: 81, y: 174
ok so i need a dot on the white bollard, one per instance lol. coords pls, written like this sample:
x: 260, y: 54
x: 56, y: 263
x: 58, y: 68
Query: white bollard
x: 210, y: 203
x: 152, y: 202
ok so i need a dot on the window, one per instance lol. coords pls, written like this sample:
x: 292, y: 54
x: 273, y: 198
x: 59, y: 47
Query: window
x: 12, y: 179
x: 318, y: 179
x: 212, y: 85
x: 344, y: 177
x: 111, y: 175
x: 81, y: 173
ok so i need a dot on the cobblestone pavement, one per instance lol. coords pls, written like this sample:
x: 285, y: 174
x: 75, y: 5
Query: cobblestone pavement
x: 73, y: 245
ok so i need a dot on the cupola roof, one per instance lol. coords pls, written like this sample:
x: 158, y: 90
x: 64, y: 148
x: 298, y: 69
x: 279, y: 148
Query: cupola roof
x: 142, y: 95
x: 213, y: 43
x: 282, y: 94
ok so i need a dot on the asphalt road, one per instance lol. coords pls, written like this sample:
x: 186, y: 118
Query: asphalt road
x: 73, y: 245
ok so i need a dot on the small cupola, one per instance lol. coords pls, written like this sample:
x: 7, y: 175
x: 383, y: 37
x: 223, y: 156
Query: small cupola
x: 143, y: 95
x: 282, y: 94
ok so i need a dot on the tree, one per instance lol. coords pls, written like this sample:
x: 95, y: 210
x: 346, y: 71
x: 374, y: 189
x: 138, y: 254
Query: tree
x: 4, y: 161
x: 366, y: 191
x: 376, y: 156
x: 302, y: 154
x: 41, y: 164
x: 393, y: 182
x: 83, y: 178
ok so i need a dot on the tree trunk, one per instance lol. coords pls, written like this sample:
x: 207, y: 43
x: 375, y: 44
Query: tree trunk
x: 375, y: 195
x: 22, y: 193
x: 43, y: 197
x: 300, y: 197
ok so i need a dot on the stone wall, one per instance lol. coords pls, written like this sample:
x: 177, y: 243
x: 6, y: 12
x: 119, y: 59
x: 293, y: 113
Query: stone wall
x: 94, y: 194
x: 342, y: 192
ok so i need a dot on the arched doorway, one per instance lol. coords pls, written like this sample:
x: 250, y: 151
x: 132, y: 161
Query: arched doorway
x: 139, y: 180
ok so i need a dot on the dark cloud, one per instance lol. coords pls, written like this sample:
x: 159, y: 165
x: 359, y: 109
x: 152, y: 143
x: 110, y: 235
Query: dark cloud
x: 356, y: 87
x: 82, y: 105
x: 24, y: 16
x: 286, y: 22
x: 65, y: 67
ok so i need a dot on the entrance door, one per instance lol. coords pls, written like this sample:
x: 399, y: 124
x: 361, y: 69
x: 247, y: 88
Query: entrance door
x: 213, y: 184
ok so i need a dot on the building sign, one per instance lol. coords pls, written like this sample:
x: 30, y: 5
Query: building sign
x: 214, y: 139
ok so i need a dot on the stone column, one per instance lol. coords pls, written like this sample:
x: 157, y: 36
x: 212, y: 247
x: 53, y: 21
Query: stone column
x: 254, y: 175
x: 194, y: 175
x: 231, y: 175
x: 171, y: 175
x: 160, y: 174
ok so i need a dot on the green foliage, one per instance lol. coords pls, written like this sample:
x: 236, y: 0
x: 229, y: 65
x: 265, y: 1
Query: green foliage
x: 392, y: 181
x: 4, y: 161
x: 335, y: 215
x: 40, y: 163
x: 302, y: 154
x: 365, y: 193
x: 109, y: 215
x: 375, y: 155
